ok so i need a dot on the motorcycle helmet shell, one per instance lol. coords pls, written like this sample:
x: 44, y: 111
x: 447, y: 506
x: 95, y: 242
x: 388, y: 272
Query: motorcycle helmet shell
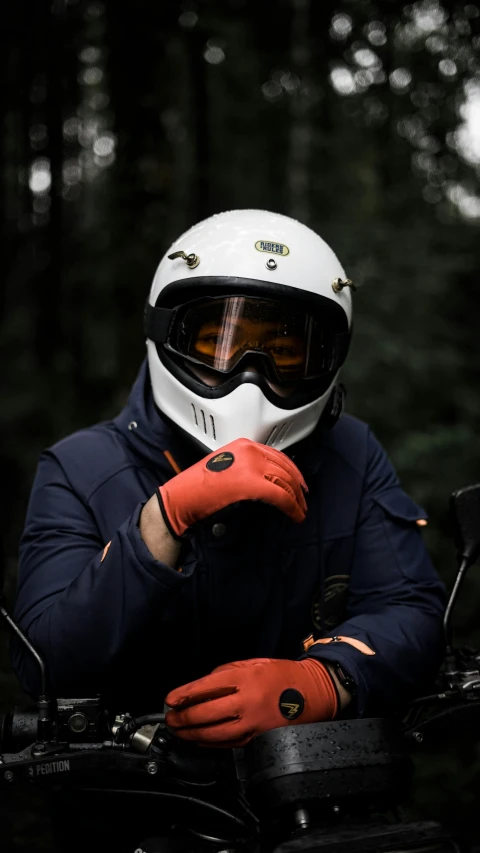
x: 256, y: 302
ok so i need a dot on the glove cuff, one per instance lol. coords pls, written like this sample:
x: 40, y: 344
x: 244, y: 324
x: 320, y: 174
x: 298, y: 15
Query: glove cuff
x: 323, y: 694
x: 166, y: 519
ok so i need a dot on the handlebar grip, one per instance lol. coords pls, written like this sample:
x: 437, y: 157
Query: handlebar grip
x: 18, y: 729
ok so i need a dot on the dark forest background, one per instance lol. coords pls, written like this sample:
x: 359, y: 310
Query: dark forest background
x: 122, y: 124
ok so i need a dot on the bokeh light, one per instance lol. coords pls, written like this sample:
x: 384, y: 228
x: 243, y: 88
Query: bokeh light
x: 40, y: 179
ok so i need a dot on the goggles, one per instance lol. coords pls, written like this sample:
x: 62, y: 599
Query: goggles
x: 293, y: 342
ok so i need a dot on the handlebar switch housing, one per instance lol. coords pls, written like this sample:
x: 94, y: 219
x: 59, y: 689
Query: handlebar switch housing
x: 82, y: 720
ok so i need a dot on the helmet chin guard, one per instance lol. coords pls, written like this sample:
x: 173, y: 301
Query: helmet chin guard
x: 278, y: 256
x: 244, y: 412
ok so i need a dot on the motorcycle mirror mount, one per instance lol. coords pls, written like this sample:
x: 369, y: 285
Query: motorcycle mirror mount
x: 43, y: 701
x: 465, y: 515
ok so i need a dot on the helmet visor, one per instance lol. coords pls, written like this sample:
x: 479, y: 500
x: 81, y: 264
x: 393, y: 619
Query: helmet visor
x: 220, y: 332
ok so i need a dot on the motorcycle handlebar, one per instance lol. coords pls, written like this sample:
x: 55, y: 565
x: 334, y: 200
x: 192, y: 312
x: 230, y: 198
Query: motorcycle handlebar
x: 18, y: 729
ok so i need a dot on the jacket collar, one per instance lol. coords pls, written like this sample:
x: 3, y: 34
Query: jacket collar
x: 148, y: 431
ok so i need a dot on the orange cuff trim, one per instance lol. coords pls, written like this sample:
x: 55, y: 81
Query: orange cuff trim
x: 105, y: 551
x: 308, y: 642
x: 357, y: 644
x: 171, y: 461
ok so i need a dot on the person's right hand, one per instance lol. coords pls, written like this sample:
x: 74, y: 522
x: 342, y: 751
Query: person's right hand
x: 241, y: 471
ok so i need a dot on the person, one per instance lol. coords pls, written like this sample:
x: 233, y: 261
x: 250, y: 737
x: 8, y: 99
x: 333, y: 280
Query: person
x: 232, y: 544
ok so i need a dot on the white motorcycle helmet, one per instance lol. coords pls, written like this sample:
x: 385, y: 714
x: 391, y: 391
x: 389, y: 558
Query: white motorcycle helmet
x: 248, y: 323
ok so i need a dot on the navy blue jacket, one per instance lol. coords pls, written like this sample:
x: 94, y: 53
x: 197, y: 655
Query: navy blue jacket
x: 131, y: 628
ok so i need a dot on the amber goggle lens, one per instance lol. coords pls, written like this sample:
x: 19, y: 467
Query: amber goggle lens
x: 219, y: 332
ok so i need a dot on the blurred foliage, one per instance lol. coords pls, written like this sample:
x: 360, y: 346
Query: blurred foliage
x: 123, y: 125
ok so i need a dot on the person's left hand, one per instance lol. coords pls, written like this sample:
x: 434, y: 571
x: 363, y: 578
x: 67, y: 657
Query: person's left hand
x: 240, y: 700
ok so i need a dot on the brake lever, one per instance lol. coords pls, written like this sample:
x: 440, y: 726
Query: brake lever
x: 470, y: 686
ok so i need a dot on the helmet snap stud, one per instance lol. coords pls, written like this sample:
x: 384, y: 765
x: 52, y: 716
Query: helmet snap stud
x: 338, y: 284
x: 271, y: 264
x: 191, y: 260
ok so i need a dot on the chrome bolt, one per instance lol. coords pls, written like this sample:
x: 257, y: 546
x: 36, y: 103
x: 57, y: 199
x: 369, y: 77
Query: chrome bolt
x: 418, y: 737
x: 192, y: 260
x: 338, y: 284
x: 302, y: 819
x: 8, y: 776
x: 152, y: 767
x: 271, y: 264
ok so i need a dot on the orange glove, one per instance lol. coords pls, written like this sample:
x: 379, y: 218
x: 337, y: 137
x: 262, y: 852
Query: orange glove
x: 240, y: 700
x: 241, y: 471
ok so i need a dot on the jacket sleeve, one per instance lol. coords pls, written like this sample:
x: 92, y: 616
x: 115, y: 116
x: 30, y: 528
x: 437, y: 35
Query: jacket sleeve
x: 396, y: 601
x: 78, y: 601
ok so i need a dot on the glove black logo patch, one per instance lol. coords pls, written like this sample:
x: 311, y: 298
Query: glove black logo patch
x: 220, y: 461
x: 291, y: 704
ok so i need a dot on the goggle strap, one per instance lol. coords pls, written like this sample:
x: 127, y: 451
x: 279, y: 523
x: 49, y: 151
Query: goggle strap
x: 156, y: 323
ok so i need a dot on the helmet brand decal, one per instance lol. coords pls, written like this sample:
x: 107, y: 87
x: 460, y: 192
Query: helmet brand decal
x: 291, y: 704
x: 220, y: 462
x: 271, y: 247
